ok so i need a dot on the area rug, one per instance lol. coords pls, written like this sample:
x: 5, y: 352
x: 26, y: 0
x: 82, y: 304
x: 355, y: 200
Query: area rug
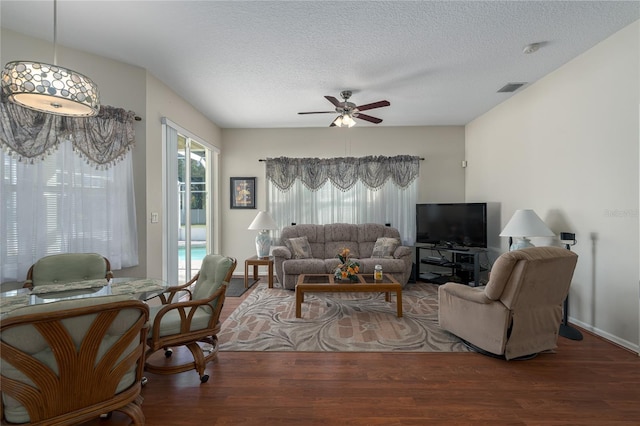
x: 236, y: 287
x: 338, y: 322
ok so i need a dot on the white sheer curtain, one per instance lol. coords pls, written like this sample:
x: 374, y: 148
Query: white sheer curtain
x: 63, y: 204
x: 388, y: 204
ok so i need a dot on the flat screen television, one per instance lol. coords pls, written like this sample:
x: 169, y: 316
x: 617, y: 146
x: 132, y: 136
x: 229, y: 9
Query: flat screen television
x: 452, y: 224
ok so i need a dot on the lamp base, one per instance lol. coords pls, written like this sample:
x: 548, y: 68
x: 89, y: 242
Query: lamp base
x: 520, y: 243
x: 263, y: 243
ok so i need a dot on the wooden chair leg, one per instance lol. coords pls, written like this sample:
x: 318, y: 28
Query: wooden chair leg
x: 199, y: 360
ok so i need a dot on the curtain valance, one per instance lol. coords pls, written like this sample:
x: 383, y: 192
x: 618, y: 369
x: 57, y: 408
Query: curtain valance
x: 343, y: 172
x: 32, y: 135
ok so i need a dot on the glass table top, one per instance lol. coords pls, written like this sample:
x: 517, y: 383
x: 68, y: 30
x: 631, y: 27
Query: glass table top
x: 140, y: 288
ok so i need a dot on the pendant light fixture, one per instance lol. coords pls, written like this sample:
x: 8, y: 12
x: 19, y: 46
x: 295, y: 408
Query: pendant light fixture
x: 50, y: 88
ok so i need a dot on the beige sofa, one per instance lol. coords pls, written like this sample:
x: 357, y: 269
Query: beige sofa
x: 326, y: 241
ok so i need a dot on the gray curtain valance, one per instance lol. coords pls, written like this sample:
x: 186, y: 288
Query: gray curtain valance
x: 31, y: 135
x: 343, y: 172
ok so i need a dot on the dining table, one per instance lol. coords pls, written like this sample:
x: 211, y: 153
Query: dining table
x: 139, y: 288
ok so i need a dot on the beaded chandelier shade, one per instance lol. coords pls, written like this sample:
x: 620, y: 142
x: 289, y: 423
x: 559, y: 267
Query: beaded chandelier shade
x: 50, y: 88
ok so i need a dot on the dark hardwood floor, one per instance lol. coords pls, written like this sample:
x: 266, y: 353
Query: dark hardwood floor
x: 588, y: 382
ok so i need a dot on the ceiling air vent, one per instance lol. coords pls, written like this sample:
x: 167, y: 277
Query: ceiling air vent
x: 510, y: 87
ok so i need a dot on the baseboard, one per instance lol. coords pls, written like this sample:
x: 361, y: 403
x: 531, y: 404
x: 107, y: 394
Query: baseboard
x: 607, y: 336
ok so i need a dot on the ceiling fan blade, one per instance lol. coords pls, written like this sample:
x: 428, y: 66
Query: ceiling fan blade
x: 378, y: 104
x: 368, y: 118
x: 318, y: 112
x: 333, y: 100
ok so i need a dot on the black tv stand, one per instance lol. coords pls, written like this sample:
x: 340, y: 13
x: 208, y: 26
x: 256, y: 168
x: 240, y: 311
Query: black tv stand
x: 448, y: 247
x: 450, y: 264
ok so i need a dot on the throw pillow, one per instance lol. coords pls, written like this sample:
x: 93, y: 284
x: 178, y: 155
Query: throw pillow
x: 385, y: 247
x: 300, y: 248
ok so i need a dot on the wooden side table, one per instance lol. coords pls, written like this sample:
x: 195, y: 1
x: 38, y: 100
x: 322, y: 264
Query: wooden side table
x: 258, y: 261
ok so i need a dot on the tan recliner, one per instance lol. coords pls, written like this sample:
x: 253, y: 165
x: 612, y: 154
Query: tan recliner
x: 519, y: 311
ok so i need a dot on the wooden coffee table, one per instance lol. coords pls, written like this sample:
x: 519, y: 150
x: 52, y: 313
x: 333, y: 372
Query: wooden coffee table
x: 326, y: 283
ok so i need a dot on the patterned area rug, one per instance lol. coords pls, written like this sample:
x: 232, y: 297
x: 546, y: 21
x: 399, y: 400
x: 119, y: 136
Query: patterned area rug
x: 338, y: 322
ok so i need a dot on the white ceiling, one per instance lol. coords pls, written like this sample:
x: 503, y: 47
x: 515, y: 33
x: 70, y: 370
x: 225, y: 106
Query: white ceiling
x: 255, y: 64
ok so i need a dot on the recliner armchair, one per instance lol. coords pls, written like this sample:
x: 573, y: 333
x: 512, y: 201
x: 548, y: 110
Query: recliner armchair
x: 519, y: 311
x: 186, y: 322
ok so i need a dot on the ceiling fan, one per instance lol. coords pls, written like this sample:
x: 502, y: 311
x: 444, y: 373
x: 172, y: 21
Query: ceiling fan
x: 347, y: 111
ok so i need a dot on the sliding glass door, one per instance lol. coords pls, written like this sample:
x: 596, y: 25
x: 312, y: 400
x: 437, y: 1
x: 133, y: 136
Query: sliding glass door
x: 193, y: 206
x: 190, y: 191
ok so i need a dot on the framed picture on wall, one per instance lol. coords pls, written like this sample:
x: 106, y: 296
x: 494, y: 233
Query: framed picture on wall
x: 243, y: 192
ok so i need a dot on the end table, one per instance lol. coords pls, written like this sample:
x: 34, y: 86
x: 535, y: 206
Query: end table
x: 256, y: 261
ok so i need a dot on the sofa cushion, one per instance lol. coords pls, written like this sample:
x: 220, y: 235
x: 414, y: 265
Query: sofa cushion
x: 369, y: 233
x: 340, y: 236
x: 299, y: 247
x: 314, y: 233
x: 385, y: 247
x: 306, y: 266
x: 334, y: 248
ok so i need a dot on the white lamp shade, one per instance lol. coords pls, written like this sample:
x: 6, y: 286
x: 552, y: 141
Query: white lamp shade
x: 348, y: 121
x: 263, y: 221
x: 526, y: 223
x: 344, y: 120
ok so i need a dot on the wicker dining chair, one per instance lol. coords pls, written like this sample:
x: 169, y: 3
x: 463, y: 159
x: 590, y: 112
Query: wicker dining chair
x: 67, y: 267
x: 67, y: 362
x: 193, y: 321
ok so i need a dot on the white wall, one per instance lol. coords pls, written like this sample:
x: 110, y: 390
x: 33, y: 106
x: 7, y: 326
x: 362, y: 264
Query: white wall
x: 441, y: 174
x: 567, y: 146
x: 162, y: 102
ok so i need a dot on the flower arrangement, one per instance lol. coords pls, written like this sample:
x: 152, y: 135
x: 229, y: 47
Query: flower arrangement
x: 348, y: 270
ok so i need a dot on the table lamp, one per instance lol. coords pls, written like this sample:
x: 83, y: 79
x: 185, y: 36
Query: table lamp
x: 525, y: 223
x: 263, y: 222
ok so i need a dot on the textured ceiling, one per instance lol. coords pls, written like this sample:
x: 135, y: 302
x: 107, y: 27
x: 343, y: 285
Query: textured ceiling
x: 256, y: 64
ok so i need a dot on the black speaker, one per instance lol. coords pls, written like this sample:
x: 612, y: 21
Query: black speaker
x: 567, y: 236
x: 414, y: 274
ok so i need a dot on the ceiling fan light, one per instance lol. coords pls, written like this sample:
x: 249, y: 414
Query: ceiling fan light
x: 348, y: 121
x: 348, y: 110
